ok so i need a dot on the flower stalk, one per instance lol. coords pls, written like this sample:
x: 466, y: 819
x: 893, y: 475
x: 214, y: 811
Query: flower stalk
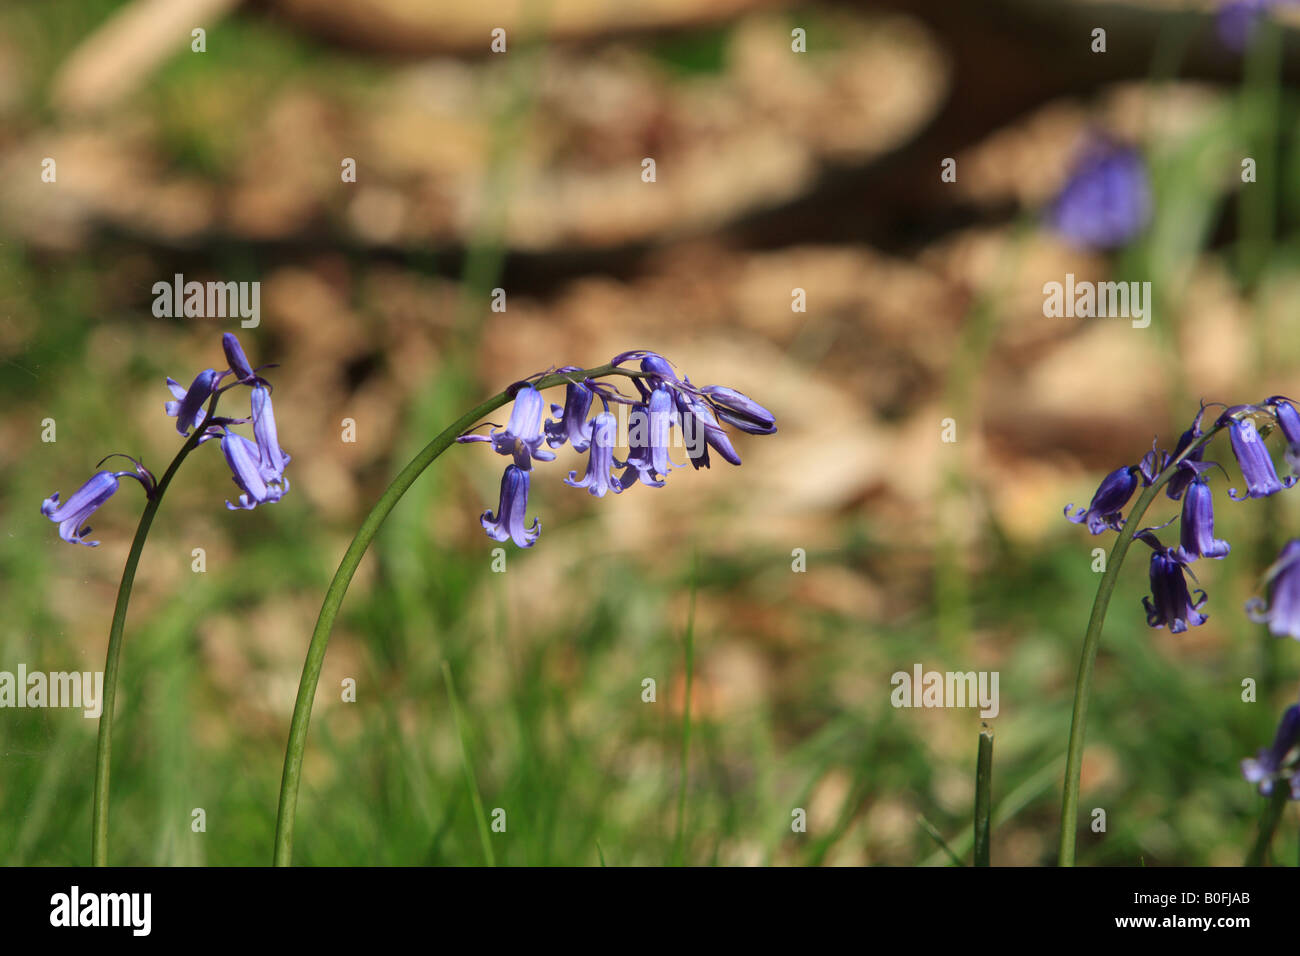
x: 112, y: 662
x: 291, y: 779
x: 1092, y: 639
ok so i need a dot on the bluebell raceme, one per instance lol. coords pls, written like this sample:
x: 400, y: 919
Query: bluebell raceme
x: 1172, y: 603
x: 663, y: 401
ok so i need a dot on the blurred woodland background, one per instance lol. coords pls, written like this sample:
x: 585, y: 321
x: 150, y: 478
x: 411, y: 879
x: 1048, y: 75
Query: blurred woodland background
x: 775, y: 171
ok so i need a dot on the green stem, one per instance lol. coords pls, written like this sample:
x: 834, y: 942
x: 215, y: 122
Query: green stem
x: 104, y: 746
x: 297, y: 743
x: 1268, y: 823
x: 1088, y: 657
x: 983, y: 800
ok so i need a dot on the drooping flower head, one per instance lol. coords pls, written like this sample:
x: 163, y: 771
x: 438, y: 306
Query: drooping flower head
x: 522, y: 438
x: 572, y: 425
x: 647, y: 440
x: 188, y: 408
x: 271, y: 456
x: 257, y: 466
x: 72, y: 514
x: 1170, y: 605
x: 1108, y: 501
x: 1273, y: 763
x: 1253, y: 459
x: 246, y: 469
x: 508, y: 522
x: 663, y: 400
x: 1196, y: 527
x: 599, y: 478
x: 1106, y: 201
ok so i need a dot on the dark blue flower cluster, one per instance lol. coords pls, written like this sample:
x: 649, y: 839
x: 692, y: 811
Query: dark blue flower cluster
x: 1171, y: 603
x: 257, y: 466
x: 663, y: 402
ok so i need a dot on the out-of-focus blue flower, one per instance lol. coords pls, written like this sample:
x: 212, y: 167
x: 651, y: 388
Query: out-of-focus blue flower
x: 1196, y: 530
x: 1106, y: 201
x: 508, y: 523
x: 71, y: 515
x: 1253, y: 459
x: 522, y: 437
x: 572, y: 425
x: 600, y: 464
x: 1170, y: 605
x: 1108, y: 501
x: 1237, y: 21
x: 1268, y: 766
x: 1282, y: 611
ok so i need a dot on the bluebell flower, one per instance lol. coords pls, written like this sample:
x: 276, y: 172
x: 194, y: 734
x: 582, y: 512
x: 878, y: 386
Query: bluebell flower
x: 736, y: 408
x: 572, y: 425
x: 1288, y: 420
x: 647, y: 440
x: 600, y: 464
x: 1170, y: 604
x: 188, y: 408
x: 701, y: 430
x: 1282, y: 611
x: 245, y: 462
x: 522, y: 437
x: 1197, y: 523
x: 508, y: 523
x: 257, y: 467
x: 659, y: 370
x: 72, y: 514
x: 1152, y: 464
x: 1106, y: 201
x: 1108, y: 501
x: 1183, y: 477
x: 1253, y: 459
x: 270, y: 456
x: 239, y: 364
x: 1269, y: 765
